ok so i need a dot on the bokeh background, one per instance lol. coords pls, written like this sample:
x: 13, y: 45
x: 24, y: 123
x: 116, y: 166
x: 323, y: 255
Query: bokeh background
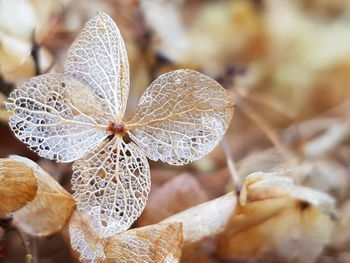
x: 285, y: 62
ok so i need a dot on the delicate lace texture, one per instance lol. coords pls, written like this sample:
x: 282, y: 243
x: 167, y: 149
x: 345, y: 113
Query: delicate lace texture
x: 98, y: 58
x: 112, y: 183
x: 53, y: 116
x: 181, y: 117
x: 78, y: 115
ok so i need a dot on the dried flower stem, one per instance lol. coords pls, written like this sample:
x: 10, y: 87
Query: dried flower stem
x: 231, y: 165
x: 256, y: 118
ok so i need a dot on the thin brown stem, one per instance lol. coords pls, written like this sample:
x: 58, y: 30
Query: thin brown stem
x: 267, y: 130
x: 231, y: 165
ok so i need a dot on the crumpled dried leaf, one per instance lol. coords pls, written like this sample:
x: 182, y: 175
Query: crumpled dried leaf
x: 324, y: 174
x: 176, y: 195
x: 51, y: 208
x: 154, y: 243
x: 18, y: 185
x: 205, y: 219
x: 277, y: 218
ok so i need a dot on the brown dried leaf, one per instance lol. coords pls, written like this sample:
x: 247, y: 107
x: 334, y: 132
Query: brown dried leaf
x: 176, y: 195
x: 50, y: 210
x: 154, y: 243
x: 206, y: 219
x: 18, y: 185
x: 277, y: 218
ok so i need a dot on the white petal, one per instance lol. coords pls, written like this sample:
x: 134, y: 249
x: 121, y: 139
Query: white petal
x: 98, y: 58
x: 181, y: 117
x: 111, y: 184
x: 57, y: 116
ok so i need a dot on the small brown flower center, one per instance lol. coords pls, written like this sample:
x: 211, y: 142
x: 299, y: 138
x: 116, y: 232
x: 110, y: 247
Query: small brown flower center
x: 116, y: 128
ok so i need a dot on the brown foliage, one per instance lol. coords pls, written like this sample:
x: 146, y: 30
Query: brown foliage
x: 18, y: 185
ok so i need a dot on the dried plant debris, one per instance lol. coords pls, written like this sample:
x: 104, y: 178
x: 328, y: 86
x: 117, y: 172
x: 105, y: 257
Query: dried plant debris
x: 51, y: 208
x: 180, y: 118
x: 280, y: 219
x: 205, y: 219
x: 18, y: 185
x: 325, y: 174
x: 154, y: 243
x: 176, y: 195
x: 23, y: 26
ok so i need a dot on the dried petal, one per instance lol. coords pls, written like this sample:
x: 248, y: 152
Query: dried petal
x: 181, y: 117
x: 84, y: 239
x: 206, y: 219
x: 154, y: 243
x: 57, y: 116
x: 98, y: 58
x: 111, y: 184
x: 278, y: 218
x: 18, y: 185
x: 51, y: 208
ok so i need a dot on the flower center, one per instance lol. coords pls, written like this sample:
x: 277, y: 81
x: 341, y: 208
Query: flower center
x: 116, y: 128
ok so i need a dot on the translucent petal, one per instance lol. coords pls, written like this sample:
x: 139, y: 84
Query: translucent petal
x: 57, y: 116
x: 51, y: 208
x: 181, y: 117
x: 111, y: 184
x: 98, y: 58
x: 84, y: 239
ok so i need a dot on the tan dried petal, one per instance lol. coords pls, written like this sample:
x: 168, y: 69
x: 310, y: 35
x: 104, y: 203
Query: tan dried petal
x: 98, y: 58
x: 160, y: 243
x: 51, y: 208
x: 206, y: 219
x: 18, y: 185
x: 57, y: 116
x: 181, y: 117
x: 111, y: 184
x: 155, y: 243
x: 278, y: 219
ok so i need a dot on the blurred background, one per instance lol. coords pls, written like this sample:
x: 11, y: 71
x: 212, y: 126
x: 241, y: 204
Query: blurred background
x: 285, y: 62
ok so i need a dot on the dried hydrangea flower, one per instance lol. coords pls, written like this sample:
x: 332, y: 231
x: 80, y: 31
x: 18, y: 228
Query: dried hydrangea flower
x: 79, y: 116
